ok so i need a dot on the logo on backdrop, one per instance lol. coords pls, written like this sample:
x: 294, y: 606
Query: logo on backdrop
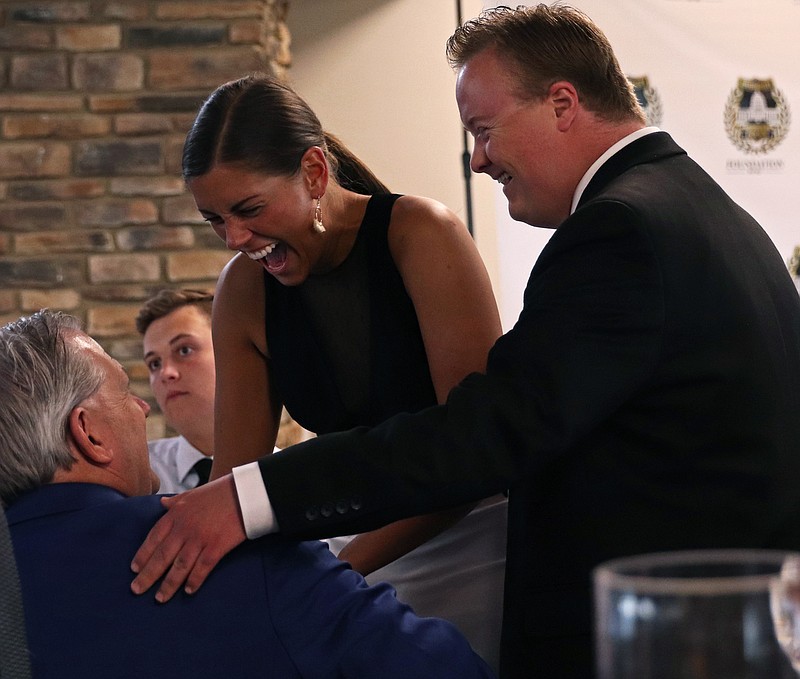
x: 648, y: 99
x: 756, y: 116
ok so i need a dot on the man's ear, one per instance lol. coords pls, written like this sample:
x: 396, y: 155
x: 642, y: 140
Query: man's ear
x: 564, y: 99
x: 315, y: 170
x: 87, y: 437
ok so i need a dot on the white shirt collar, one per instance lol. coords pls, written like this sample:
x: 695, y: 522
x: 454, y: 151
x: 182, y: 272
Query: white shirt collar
x: 595, y: 166
x: 186, y: 457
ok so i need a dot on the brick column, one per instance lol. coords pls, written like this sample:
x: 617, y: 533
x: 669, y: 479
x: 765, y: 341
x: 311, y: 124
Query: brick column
x: 95, y: 100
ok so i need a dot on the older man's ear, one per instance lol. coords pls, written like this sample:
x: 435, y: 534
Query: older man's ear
x: 87, y: 437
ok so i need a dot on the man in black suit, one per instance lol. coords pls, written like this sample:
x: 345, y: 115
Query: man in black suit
x: 647, y: 399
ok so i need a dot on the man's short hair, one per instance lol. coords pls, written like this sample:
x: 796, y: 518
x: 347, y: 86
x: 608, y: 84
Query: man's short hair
x: 167, y: 300
x: 544, y: 44
x: 43, y: 376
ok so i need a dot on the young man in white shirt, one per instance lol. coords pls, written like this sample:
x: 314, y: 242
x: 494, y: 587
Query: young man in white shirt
x: 179, y: 355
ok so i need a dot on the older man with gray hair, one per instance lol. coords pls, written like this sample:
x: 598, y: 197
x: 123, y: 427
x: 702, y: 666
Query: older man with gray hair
x: 76, y: 480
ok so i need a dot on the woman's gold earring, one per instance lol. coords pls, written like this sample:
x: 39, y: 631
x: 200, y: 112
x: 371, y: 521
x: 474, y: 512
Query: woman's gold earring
x: 319, y: 227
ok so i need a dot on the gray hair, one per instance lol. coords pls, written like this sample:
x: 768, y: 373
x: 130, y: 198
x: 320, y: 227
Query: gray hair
x: 42, y: 378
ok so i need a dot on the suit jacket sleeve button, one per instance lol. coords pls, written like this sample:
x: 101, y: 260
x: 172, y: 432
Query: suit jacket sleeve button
x: 342, y: 507
x: 326, y: 510
x: 355, y: 503
x: 312, y: 513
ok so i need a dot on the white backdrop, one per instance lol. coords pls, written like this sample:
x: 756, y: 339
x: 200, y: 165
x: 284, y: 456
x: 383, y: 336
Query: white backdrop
x: 693, y: 54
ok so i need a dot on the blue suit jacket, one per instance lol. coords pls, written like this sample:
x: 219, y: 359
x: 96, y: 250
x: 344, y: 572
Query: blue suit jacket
x: 647, y: 399
x: 272, y: 608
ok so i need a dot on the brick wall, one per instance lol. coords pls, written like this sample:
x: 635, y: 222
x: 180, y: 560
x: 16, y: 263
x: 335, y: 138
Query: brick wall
x: 96, y: 97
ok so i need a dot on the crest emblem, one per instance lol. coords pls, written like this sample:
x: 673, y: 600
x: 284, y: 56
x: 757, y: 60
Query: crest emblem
x: 756, y: 116
x: 648, y: 99
x: 794, y: 266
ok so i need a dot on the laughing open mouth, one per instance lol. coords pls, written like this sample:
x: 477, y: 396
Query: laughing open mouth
x: 272, y: 256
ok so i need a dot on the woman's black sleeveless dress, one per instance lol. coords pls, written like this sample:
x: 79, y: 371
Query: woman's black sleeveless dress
x: 345, y: 346
x: 346, y: 350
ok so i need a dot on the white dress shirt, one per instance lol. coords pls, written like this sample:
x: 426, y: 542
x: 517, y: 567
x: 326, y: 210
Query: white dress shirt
x: 172, y: 459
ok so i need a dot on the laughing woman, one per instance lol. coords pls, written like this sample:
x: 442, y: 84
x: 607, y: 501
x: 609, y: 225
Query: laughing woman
x: 347, y: 304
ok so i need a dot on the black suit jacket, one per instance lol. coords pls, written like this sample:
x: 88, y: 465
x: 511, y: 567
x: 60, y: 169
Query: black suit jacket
x: 647, y: 399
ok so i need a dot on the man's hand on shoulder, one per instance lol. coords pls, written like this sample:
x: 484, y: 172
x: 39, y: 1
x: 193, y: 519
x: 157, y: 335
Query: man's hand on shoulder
x: 200, y: 527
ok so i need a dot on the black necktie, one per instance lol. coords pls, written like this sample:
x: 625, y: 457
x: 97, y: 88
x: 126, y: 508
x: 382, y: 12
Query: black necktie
x: 203, y: 469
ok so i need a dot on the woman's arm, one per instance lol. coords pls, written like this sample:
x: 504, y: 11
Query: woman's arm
x: 247, y: 411
x: 457, y: 314
x: 448, y: 283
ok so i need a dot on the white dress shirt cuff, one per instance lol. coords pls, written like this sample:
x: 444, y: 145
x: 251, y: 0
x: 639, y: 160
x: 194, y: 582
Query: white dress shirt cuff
x: 257, y: 513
